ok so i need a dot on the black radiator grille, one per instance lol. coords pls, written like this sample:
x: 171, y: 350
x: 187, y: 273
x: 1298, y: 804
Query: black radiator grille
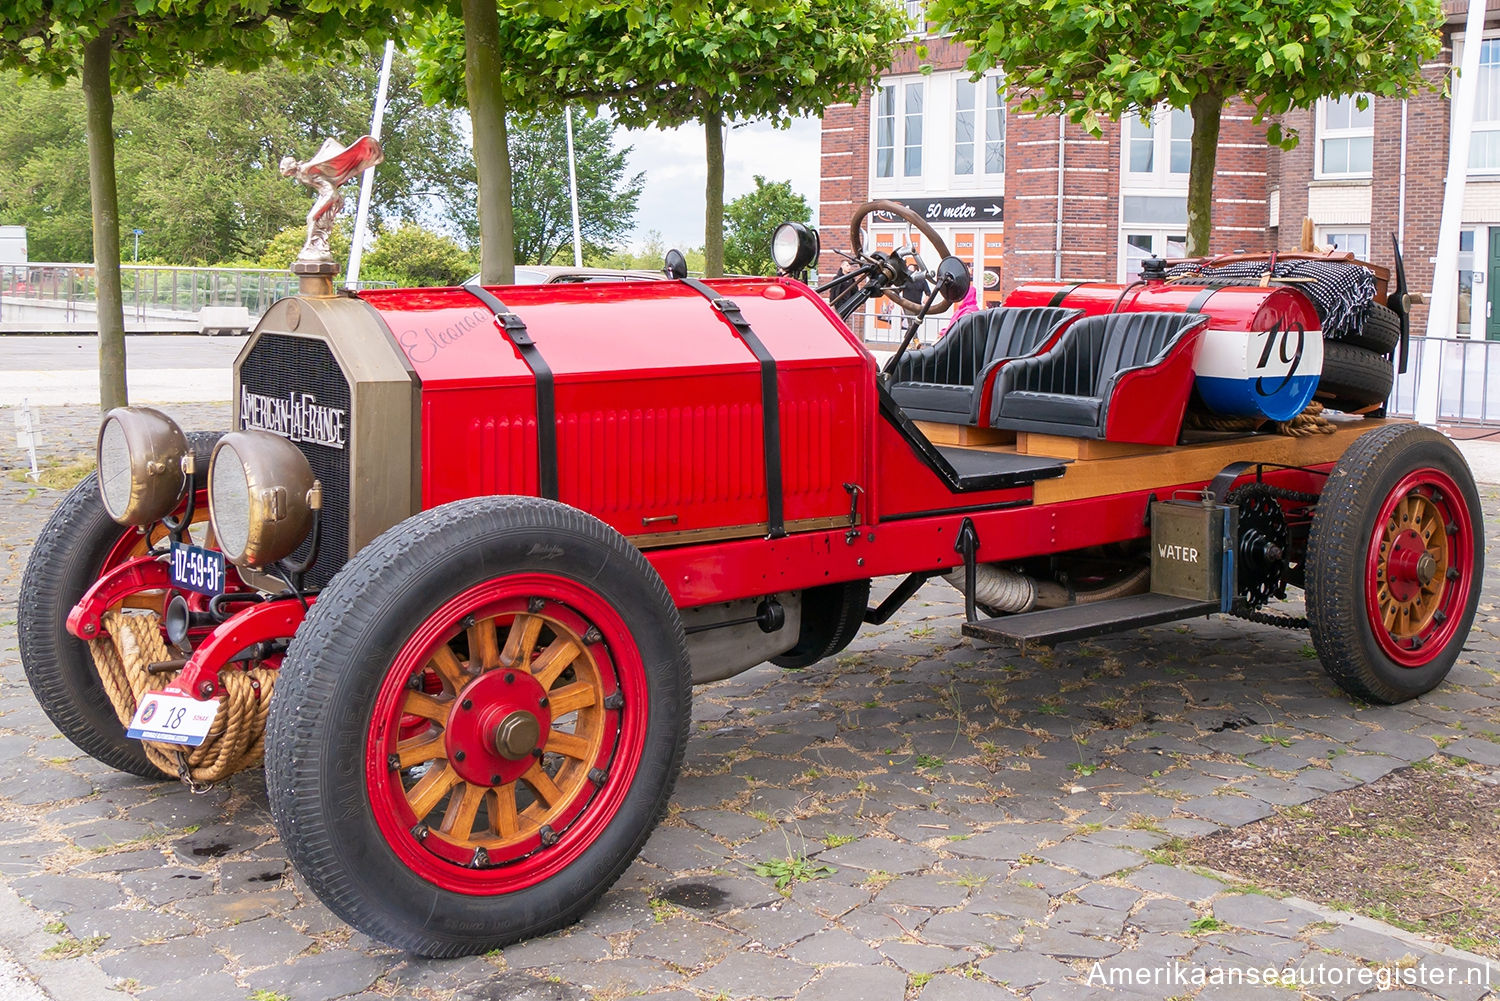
x: 286, y: 368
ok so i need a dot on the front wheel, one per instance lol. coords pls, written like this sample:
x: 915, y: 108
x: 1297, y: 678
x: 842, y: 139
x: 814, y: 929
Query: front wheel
x: 478, y: 725
x: 1395, y: 559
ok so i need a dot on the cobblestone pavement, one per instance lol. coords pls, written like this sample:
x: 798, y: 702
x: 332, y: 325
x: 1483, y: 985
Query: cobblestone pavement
x: 989, y: 821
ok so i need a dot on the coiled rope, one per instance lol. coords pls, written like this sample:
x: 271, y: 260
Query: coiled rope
x: 1310, y: 422
x: 237, y: 740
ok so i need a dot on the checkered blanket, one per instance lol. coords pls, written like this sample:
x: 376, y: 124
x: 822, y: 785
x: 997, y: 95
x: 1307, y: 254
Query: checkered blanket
x: 1341, y: 292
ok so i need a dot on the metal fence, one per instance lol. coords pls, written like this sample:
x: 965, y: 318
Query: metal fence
x: 151, y: 287
x: 1468, y: 381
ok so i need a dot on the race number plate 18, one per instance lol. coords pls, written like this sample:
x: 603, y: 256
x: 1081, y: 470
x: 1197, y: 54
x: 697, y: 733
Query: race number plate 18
x: 174, y: 719
x: 197, y: 569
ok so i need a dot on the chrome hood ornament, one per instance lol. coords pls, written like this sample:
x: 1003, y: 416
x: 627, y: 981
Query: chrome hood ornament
x: 328, y: 169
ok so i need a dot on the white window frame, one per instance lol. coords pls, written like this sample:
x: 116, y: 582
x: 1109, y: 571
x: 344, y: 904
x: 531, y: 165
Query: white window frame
x: 1326, y: 134
x: 899, y: 179
x: 1162, y: 138
x: 1327, y: 235
x: 1162, y: 238
x: 1486, y: 129
x: 917, y: 11
x: 987, y: 88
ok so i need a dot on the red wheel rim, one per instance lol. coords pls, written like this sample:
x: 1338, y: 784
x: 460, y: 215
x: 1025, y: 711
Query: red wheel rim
x: 531, y: 743
x: 1419, y: 568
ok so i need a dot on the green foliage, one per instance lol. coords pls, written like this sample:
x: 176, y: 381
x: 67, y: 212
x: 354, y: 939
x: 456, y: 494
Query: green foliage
x: 159, y: 41
x: 669, y: 64
x: 196, y: 164
x: 750, y: 219
x: 649, y: 258
x: 412, y: 256
x: 1100, y: 60
x: 1091, y: 61
x: 539, y: 194
x: 794, y: 869
x: 283, y: 248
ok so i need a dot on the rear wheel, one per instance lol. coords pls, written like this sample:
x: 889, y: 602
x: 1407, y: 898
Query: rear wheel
x: 76, y: 546
x: 1395, y: 559
x: 478, y: 725
x: 831, y: 617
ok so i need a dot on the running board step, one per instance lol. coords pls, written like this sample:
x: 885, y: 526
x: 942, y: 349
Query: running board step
x: 1077, y: 622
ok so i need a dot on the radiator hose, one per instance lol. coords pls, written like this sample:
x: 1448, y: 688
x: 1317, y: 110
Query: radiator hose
x: 1012, y: 592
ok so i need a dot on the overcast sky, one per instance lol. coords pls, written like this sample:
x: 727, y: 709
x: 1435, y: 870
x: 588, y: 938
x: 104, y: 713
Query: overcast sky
x: 673, y: 161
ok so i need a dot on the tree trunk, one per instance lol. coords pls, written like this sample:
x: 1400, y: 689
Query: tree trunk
x: 483, y: 70
x: 713, y: 220
x: 99, y: 101
x: 1206, y: 108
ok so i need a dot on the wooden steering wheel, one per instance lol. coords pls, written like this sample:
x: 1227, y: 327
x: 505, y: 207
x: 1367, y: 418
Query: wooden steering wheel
x: 857, y: 243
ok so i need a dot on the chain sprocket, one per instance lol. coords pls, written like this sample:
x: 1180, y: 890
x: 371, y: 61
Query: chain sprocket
x: 1264, y: 537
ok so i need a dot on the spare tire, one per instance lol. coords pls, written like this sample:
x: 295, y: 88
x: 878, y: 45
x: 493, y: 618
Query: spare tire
x: 1380, y: 331
x: 1354, y: 379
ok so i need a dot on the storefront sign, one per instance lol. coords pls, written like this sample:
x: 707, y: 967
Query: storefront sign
x: 978, y: 208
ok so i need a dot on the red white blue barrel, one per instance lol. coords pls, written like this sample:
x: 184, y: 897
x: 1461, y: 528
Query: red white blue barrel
x: 1259, y: 373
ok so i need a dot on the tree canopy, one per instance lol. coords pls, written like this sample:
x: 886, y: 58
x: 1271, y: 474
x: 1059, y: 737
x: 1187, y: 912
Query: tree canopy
x: 539, y: 169
x: 667, y: 64
x: 110, y: 45
x: 1104, y: 59
x: 750, y: 219
x: 196, y: 164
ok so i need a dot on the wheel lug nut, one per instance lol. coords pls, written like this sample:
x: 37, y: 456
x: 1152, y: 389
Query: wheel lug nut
x: 466, y: 704
x: 459, y: 755
x: 494, y: 780
x: 510, y: 677
x: 542, y: 701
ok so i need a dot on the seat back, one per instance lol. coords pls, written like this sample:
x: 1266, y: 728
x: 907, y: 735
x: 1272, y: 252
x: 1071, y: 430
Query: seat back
x: 1094, y: 348
x: 978, y: 338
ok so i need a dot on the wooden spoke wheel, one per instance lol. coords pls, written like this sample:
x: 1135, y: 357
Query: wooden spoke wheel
x: 499, y: 737
x: 478, y: 725
x: 1395, y: 559
x: 1419, y: 567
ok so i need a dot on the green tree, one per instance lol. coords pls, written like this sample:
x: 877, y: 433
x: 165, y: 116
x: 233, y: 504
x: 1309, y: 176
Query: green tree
x: 750, y: 219
x: 540, y: 202
x: 195, y: 165
x: 412, y: 256
x: 1102, y: 59
x: 109, y: 45
x: 671, y: 64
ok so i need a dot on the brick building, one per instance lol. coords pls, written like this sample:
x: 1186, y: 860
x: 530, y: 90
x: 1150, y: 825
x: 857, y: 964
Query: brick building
x: 1024, y: 198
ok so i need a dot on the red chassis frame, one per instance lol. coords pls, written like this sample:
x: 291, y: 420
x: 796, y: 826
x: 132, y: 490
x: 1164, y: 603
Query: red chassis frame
x: 860, y: 501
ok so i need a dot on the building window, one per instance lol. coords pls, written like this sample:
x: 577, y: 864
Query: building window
x: 1150, y: 226
x: 898, y: 132
x: 1346, y: 136
x: 1484, y: 141
x: 978, y: 128
x: 1161, y: 148
x: 885, y: 132
x: 917, y: 11
x: 911, y: 163
x: 1354, y: 241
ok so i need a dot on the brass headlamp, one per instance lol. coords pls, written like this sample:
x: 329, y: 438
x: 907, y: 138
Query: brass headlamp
x: 144, y: 461
x: 261, y: 497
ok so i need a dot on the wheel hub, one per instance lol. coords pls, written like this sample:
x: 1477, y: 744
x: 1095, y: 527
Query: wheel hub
x: 497, y: 728
x: 517, y: 735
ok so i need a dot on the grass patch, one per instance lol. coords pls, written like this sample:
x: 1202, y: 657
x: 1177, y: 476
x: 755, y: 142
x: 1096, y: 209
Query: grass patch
x: 72, y: 948
x: 58, y: 474
x: 792, y: 870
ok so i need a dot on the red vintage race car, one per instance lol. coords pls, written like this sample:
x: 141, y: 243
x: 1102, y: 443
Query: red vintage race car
x: 466, y: 551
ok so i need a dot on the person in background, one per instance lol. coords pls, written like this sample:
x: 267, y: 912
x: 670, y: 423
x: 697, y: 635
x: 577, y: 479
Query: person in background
x: 968, y: 304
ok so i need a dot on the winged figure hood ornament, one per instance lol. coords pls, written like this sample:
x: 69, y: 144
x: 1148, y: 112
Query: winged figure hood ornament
x: 325, y: 173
